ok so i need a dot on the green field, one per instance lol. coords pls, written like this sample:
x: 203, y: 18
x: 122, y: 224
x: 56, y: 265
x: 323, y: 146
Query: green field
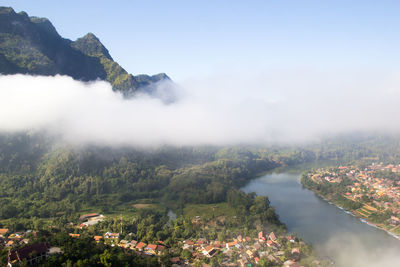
x: 208, y: 211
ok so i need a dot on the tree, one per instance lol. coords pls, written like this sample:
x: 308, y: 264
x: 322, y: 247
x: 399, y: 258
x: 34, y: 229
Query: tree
x: 186, y: 254
x: 105, y: 258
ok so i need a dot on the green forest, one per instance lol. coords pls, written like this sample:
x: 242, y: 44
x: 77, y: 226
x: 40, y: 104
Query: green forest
x: 41, y: 178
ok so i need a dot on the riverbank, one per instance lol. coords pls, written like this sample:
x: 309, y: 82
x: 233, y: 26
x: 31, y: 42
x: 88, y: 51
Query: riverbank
x: 362, y: 219
x: 331, y: 200
x: 333, y: 234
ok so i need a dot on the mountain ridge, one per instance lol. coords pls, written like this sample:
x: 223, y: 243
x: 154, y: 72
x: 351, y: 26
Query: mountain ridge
x: 32, y: 45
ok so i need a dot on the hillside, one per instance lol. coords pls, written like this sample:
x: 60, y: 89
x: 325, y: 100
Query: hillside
x: 32, y: 45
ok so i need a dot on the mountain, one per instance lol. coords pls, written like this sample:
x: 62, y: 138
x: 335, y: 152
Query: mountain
x: 32, y: 45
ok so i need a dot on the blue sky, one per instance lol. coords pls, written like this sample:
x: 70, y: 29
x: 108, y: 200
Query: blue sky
x: 189, y: 39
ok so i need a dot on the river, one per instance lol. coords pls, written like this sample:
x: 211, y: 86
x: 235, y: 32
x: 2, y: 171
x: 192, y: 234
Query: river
x: 333, y: 233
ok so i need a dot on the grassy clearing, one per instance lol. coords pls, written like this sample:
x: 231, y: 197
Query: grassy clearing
x: 209, y: 211
x: 143, y: 206
x: 116, y: 208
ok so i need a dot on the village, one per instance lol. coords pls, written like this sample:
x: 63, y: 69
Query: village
x: 284, y: 250
x: 376, y: 187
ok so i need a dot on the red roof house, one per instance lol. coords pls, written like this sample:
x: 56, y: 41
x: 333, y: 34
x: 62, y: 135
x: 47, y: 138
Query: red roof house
x: 140, y: 246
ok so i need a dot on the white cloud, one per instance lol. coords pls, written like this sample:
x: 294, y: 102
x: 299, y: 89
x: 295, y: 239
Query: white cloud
x: 282, y: 106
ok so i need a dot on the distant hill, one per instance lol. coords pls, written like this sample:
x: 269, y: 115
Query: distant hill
x: 31, y: 45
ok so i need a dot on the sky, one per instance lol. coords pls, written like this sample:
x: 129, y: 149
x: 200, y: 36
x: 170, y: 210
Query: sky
x: 191, y: 39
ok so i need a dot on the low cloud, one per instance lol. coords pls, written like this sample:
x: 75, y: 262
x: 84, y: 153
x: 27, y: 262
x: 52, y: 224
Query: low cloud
x: 278, y: 107
x: 360, y: 250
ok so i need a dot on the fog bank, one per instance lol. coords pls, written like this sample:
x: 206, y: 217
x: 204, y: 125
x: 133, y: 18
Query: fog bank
x: 352, y: 249
x: 275, y: 107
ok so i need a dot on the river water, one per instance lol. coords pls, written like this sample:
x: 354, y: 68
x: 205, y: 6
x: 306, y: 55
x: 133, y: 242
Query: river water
x: 333, y: 233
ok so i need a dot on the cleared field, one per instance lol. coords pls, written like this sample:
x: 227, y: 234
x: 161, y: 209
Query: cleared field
x: 143, y: 206
x: 370, y: 208
x: 360, y: 213
x: 363, y: 210
x: 208, y: 211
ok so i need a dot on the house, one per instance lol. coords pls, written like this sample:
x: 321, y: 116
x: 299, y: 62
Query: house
x: 160, y: 249
x: 91, y: 219
x: 124, y: 244
x: 31, y: 253
x: 295, y: 251
x: 217, y: 244
x: 151, y: 248
x: 90, y: 223
x: 249, y: 253
x: 261, y: 236
x: 271, y: 244
x: 74, y: 235
x: 272, y: 237
x: 55, y: 250
x: 133, y: 244
x: 141, y: 246
x: 230, y: 245
x: 97, y: 238
x: 85, y: 217
x: 111, y: 235
x: 16, y: 236
x: 206, y: 249
x: 394, y: 221
x: 188, y: 244
x: 202, y: 241
x: 209, y: 251
x: 3, y: 231
x: 291, y: 238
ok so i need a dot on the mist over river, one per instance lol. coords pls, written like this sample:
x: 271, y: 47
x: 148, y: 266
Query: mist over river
x: 333, y: 233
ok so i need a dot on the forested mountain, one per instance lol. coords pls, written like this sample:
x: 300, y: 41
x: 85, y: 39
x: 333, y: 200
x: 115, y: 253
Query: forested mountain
x: 60, y: 178
x: 31, y: 45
